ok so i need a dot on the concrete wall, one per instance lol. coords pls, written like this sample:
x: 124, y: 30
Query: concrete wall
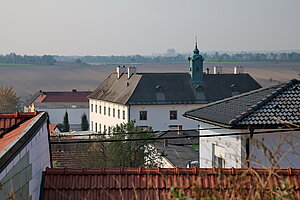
x: 106, y: 119
x: 158, y: 116
x: 232, y: 145
x: 24, y: 173
x: 284, y: 147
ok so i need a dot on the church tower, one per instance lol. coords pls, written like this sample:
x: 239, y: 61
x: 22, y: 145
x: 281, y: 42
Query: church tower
x: 196, y: 66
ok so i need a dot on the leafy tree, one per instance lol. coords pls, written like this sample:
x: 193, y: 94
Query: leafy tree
x: 123, y: 154
x: 9, y: 102
x: 84, y: 122
x: 66, y: 125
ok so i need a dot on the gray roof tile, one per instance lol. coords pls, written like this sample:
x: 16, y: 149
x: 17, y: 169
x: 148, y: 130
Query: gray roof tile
x: 266, y: 108
x: 171, y: 88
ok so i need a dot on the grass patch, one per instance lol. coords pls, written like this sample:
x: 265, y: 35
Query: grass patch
x: 15, y: 65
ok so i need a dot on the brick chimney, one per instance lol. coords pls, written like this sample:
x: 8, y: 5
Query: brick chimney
x: 207, y: 71
x: 131, y: 71
x: 238, y: 70
x: 121, y: 70
x: 218, y: 70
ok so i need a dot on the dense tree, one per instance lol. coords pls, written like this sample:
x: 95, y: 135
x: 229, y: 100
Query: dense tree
x: 78, y: 61
x: 9, y: 102
x: 18, y: 59
x: 84, y: 123
x: 122, y: 154
x: 171, y: 56
x: 66, y: 125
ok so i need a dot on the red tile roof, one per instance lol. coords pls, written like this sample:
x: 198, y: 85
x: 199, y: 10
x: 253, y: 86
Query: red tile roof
x: 8, y: 120
x: 52, y: 127
x: 75, y: 96
x: 155, y: 183
x: 12, y: 125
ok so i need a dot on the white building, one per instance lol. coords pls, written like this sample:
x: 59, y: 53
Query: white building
x: 160, y: 99
x: 266, y: 119
x: 56, y: 103
x: 24, y: 154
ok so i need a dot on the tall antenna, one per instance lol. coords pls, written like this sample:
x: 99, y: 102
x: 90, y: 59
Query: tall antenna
x: 196, y: 41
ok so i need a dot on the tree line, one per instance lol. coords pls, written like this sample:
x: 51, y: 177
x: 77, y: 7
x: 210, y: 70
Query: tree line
x: 216, y: 57
x: 12, y: 58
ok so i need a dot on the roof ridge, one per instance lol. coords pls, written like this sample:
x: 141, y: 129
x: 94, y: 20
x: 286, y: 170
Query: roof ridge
x: 263, y: 101
x: 233, y: 97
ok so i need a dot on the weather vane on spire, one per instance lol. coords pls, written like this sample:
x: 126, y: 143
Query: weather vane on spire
x: 196, y: 41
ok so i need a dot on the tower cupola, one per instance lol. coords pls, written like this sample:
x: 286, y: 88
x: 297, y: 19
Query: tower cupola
x: 196, y: 65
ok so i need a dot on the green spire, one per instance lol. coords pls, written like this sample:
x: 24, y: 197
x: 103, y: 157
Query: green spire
x: 196, y: 50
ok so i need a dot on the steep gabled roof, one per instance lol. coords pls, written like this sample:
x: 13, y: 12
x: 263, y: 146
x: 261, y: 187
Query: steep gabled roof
x: 156, y: 183
x: 264, y: 108
x: 171, y: 88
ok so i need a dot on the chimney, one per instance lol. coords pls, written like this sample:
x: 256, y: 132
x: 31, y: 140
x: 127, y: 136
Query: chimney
x: 166, y: 142
x: 74, y: 90
x: 121, y: 70
x: 131, y: 71
x: 207, y: 70
x: 218, y: 69
x: 238, y: 70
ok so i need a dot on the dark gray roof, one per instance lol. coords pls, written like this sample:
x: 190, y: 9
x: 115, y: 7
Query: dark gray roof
x: 263, y: 108
x: 178, y: 155
x: 181, y: 141
x: 171, y: 88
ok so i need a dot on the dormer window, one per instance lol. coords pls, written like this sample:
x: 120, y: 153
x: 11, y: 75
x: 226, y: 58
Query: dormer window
x: 199, y: 88
x: 158, y: 89
x: 234, y: 88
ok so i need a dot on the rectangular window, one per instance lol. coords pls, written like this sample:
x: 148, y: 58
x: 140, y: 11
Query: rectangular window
x: 113, y: 112
x: 91, y: 125
x: 96, y: 127
x: 99, y: 109
x: 104, y: 129
x: 123, y: 114
x: 109, y: 129
x: 95, y: 108
x: 104, y: 111
x: 99, y: 128
x: 92, y: 107
x: 118, y: 113
x: 173, y: 114
x: 218, y: 156
x: 108, y: 111
x: 143, y: 115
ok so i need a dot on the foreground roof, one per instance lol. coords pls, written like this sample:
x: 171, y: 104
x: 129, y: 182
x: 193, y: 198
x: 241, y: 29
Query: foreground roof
x: 156, y: 183
x: 16, y: 129
x: 58, y: 96
x: 263, y: 108
x: 171, y: 88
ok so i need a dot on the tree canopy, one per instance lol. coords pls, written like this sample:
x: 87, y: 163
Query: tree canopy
x: 123, y: 154
x: 9, y: 102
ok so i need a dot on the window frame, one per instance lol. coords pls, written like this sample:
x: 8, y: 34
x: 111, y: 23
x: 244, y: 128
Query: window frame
x: 143, y: 117
x: 172, y: 116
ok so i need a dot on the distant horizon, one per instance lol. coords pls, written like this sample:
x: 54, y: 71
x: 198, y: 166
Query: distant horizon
x: 160, y: 53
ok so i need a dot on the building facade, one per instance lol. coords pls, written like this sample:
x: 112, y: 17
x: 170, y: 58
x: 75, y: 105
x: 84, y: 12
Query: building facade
x: 24, y: 154
x: 57, y: 103
x: 265, y: 123
x: 160, y: 99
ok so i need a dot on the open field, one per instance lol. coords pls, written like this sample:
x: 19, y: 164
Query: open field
x: 27, y: 80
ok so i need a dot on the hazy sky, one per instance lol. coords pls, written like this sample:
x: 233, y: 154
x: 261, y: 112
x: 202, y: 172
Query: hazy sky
x: 126, y: 27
